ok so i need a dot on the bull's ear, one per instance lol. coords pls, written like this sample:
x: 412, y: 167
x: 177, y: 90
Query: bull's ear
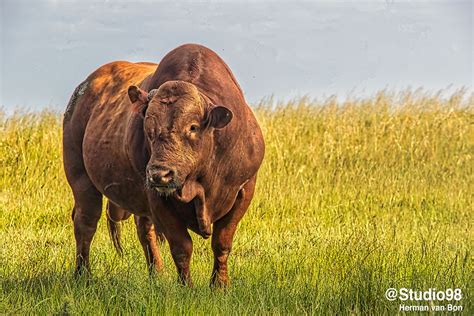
x: 220, y: 116
x: 139, y: 99
x: 136, y: 94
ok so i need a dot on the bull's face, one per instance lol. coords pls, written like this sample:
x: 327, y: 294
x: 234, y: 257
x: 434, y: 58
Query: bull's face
x: 178, y: 124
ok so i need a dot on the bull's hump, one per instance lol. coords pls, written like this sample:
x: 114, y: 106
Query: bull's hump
x: 199, y: 65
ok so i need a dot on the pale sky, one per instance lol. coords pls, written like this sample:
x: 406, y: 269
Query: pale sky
x: 285, y: 48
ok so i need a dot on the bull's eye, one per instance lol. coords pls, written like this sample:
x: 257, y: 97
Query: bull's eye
x: 194, y: 128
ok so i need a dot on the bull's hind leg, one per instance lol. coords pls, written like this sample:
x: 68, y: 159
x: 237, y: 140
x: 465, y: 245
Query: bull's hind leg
x: 223, y: 234
x: 145, y: 231
x: 148, y: 239
x: 87, y: 211
x: 87, y: 202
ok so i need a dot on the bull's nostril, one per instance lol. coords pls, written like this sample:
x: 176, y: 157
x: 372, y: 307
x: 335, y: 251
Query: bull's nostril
x: 166, y: 176
x: 160, y: 175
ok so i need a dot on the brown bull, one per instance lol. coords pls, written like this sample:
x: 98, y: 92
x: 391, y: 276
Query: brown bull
x: 175, y: 145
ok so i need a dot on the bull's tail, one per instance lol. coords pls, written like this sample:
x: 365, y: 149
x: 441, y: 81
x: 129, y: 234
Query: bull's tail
x: 115, y: 231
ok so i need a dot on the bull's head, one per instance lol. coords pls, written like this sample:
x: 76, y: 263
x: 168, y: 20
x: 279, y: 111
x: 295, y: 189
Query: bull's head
x: 178, y: 123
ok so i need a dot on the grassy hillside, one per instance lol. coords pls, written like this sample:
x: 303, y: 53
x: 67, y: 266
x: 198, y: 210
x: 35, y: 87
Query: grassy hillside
x: 353, y: 198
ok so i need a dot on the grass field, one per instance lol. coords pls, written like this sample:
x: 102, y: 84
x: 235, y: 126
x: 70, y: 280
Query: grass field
x: 353, y: 198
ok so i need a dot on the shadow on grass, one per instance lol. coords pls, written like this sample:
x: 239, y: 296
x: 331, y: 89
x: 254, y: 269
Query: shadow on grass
x: 60, y: 292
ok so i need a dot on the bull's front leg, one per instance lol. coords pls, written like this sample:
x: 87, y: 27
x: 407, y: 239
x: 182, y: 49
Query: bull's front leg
x: 179, y: 240
x: 223, y: 234
x: 181, y: 247
x: 148, y: 237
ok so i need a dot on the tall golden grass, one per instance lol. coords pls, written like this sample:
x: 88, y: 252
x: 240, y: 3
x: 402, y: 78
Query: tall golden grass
x: 353, y: 198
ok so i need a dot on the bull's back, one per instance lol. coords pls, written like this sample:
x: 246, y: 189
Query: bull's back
x: 95, y: 122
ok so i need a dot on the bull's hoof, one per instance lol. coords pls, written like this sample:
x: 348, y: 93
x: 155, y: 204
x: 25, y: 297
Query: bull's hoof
x: 205, y: 231
x: 205, y: 234
x: 155, y: 269
x: 219, y: 284
x: 81, y: 272
x: 185, y: 282
x: 83, y: 277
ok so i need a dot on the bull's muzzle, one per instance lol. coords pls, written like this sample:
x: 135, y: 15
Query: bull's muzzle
x: 161, y: 177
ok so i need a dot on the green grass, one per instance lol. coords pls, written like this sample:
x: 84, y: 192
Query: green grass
x: 353, y: 198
